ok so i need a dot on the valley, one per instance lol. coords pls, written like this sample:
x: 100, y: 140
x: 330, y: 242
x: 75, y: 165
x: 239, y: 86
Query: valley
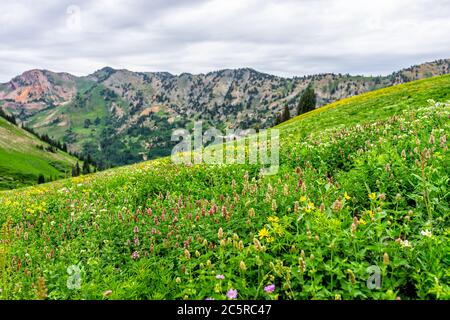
x: 121, y: 117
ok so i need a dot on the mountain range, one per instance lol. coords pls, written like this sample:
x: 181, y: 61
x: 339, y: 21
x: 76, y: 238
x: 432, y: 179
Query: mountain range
x: 120, y: 117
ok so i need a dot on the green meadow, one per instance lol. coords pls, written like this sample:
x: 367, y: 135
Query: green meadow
x: 359, y: 209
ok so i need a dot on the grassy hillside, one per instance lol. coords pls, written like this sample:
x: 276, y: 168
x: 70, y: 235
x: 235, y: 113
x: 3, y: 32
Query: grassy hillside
x: 362, y: 191
x: 120, y: 117
x: 372, y: 106
x: 23, y: 157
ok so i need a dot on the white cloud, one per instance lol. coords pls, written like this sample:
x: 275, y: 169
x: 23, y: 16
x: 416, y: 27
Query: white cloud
x: 285, y: 37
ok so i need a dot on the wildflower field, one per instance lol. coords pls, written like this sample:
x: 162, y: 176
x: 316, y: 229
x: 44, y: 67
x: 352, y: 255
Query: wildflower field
x: 362, y: 191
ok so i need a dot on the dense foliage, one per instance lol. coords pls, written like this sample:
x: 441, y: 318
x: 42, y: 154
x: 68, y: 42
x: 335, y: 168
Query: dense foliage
x: 368, y: 194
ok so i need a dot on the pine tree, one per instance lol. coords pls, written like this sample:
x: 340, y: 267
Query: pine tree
x: 286, y: 115
x: 307, y: 101
x: 278, y: 119
x: 76, y: 170
x: 41, y: 179
x: 87, y: 123
x: 86, y: 168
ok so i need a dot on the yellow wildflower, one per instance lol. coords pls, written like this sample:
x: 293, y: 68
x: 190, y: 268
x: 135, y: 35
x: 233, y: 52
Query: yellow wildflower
x: 302, y: 199
x: 278, y: 229
x: 346, y: 196
x: 310, y: 207
x: 273, y: 219
x: 263, y: 233
x: 372, y: 196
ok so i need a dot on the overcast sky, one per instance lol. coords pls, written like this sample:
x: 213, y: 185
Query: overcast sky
x: 289, y: 37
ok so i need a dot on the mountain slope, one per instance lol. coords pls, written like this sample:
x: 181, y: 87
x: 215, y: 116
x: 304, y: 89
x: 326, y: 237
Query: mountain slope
x: 122, y: 117
x: 23, y: 157
x: 368, y: 198
x: 372, y: 106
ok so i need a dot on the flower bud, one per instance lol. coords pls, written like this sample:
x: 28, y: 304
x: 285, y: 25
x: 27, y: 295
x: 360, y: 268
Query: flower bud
x: 385, y: 259
x: 274, y: 205
x: 351, y: 276
x: 301, y: 265
x: 432, y: 140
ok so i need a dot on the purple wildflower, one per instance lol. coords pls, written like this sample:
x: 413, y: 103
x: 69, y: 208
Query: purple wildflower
x: 270, y: 288
x: 220, y: 276
x: 209, y: 298
x: 232, y: 294
x: 136, y: 229
x: 135, y: 255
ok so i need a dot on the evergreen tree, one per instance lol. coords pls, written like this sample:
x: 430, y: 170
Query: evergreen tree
x: 86, y: 168
x: 286, y: 115
x: 41, y: 179
x: 307, y: 101
x: 8, y: 117
x: 76, y: 170
x: 278, y: 119
x: 87, y: 123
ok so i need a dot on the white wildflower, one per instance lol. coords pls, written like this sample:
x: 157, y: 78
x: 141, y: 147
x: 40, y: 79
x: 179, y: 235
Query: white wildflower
x: 405, y: 244
x: 426, y: 233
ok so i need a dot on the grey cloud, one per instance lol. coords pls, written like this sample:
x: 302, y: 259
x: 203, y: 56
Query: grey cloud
x: 285, y: 37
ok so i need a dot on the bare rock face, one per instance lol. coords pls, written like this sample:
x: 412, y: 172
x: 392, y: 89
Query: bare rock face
x: 136, y: 111
x: 35, y: 90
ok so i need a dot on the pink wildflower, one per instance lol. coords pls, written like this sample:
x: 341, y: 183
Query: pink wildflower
x: 270, y: 288
x: 232, y: 294
x: 135, y: 255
